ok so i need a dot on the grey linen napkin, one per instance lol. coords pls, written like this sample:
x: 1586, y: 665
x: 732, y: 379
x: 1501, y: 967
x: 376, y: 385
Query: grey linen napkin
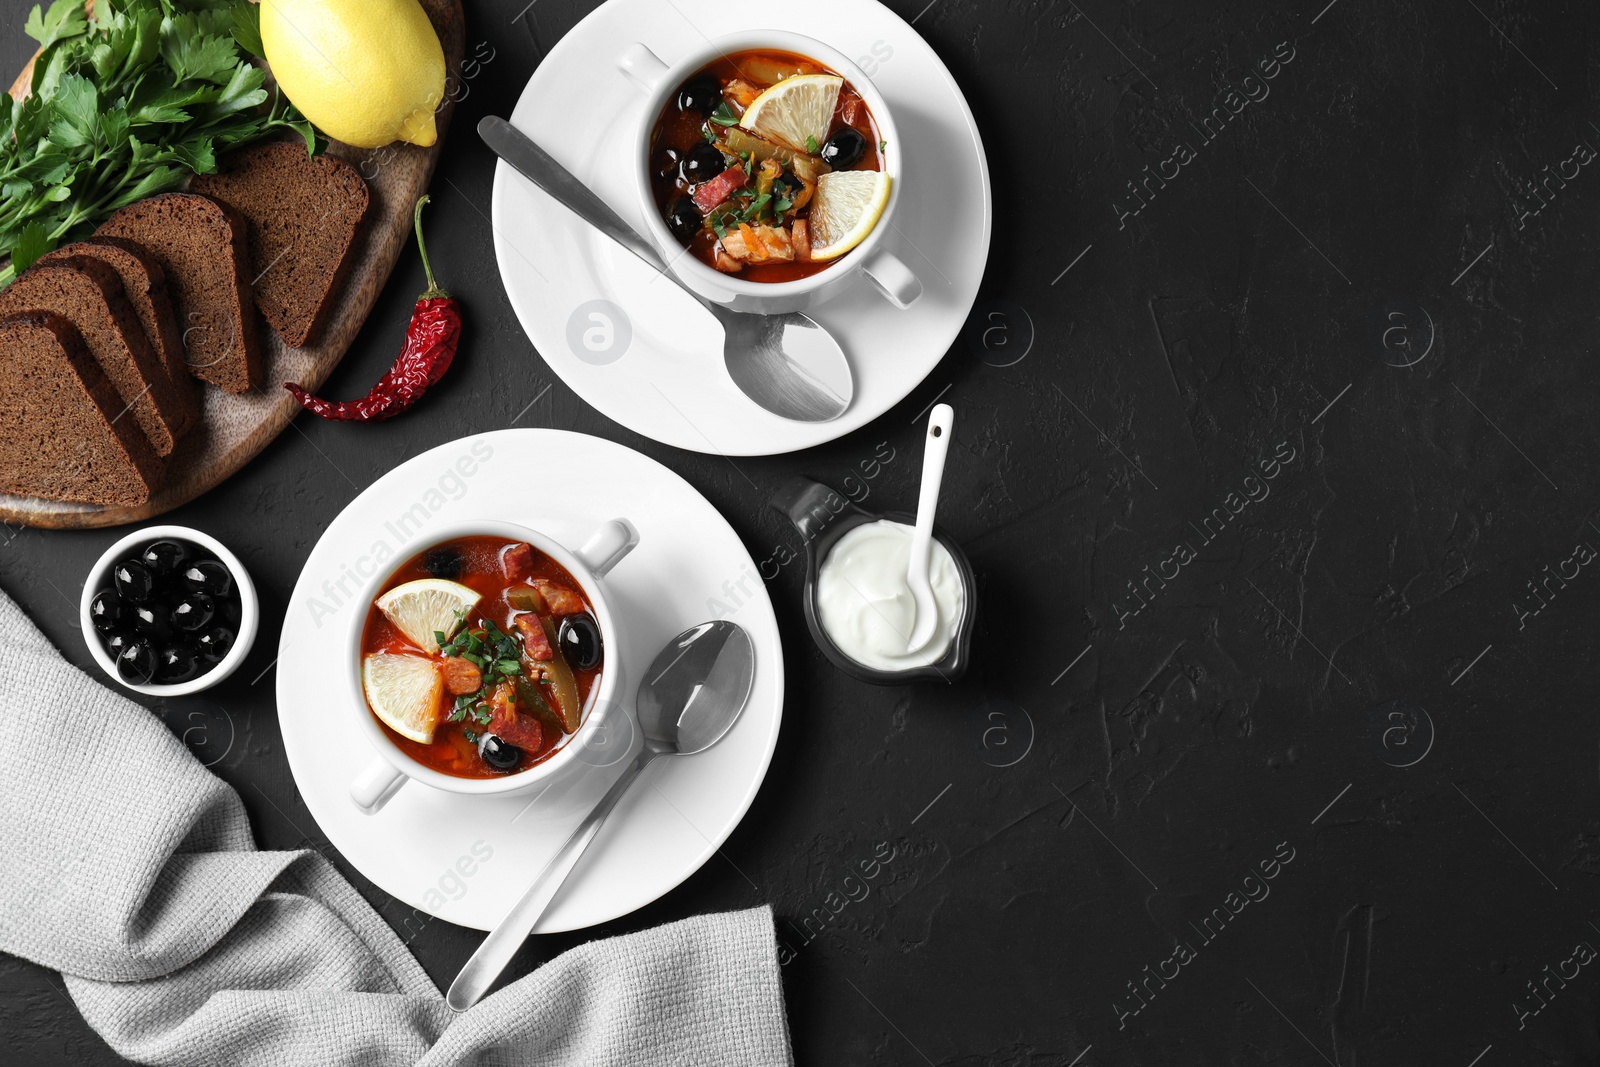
x: 130, y: 868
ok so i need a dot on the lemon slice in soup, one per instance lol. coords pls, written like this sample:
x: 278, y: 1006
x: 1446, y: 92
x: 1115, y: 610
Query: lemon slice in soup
x: 795, y: 111
x: 847, y: 206
x: 403, y: 691
x: 426, y: 608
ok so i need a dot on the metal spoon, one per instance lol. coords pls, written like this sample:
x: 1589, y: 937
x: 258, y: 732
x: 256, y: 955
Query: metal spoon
x: 786, y: 363
x: 692, y: 695
x: 938, y: 445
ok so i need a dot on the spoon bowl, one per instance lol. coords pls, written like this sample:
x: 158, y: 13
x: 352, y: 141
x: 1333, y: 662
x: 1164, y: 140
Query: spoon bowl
x: 696, y: 688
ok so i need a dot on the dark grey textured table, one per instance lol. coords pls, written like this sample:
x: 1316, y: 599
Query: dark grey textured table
x: 1280, y: 746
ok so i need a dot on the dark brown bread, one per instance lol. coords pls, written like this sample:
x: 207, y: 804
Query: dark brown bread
x: 146, y: 286
x: 60, y: 437
x: 201, y: 245
x: 303, y: 215
x: 89, y: 294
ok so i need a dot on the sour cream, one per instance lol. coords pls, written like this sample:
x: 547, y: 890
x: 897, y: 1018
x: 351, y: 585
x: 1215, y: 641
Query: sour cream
x: 867, y: 609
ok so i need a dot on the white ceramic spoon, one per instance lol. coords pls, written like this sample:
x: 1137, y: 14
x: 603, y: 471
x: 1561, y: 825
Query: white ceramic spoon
x: 937, y: 446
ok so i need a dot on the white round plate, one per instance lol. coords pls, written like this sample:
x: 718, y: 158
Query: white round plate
x: 468, y: 859
x: 668, y: 382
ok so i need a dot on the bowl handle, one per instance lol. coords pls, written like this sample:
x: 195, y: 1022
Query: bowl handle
x: 607, y: 546
x: 642, y: 67
x: 810, y: 506
x: 377, y: 784
x: 893, y: 279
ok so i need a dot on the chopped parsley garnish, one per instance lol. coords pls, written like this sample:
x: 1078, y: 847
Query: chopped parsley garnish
x: 754, y: 209
x: 724, y: 115
x: 811, y: 144
x: 883, y: 145
x: 495, y: 653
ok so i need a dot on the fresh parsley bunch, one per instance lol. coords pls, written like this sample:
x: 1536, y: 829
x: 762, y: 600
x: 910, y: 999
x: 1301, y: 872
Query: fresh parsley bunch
x: 127, y: 102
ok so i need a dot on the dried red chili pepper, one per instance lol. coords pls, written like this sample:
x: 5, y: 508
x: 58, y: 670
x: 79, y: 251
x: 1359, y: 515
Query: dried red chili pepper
x: 430, y: 348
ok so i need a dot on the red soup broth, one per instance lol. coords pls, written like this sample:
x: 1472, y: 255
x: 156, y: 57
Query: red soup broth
x: 677, y: 131
x: 481, y: 570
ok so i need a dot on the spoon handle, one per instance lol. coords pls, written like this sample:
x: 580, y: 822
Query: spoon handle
x: 535, y: 164
x: 933, y: 455
x: 505, y: 939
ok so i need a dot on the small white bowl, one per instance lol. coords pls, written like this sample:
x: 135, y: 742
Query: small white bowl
x: 249, y: 608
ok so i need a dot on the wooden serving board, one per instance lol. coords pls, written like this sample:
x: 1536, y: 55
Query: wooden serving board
x: 234, y: 429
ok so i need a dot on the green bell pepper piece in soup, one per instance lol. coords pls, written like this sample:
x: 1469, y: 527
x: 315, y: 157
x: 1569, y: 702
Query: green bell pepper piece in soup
x: 556, y: 700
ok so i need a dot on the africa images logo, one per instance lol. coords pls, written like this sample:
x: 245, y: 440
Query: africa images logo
x: 1256, y: 888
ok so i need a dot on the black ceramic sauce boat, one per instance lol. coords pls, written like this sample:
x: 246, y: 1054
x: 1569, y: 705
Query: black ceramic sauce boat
x: 822, y: 516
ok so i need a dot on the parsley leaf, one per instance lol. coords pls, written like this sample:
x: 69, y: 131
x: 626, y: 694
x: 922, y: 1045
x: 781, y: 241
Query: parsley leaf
x: 811, y: 144
x: 31, y: 244
x: 66, y: 18
x: 194, y: 55
x: 77, y: 103
x: 243, y: 90
x: 247, y: 29
x: 722, y: 116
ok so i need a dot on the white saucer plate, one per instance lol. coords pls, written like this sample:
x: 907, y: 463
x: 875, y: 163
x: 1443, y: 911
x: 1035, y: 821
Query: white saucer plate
x: 467, y: 859
x: 652, y: 361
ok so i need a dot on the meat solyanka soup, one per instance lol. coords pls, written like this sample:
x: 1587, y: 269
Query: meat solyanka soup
x: 767, y: 165
x: 479, y: 657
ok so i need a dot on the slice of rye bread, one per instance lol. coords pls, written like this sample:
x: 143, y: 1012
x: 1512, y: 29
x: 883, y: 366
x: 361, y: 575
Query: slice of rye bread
x: 303, y: 215
x: 89, y: 294
x: 146, y: 285
x: 60, y: 437
x: 201, y: 245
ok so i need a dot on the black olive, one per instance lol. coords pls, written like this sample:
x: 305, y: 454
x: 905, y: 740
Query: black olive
x: 152, y: 620
x: 176, y: 663
x: 665, y: 163
x: 115, y: 643
x: 498, y: 753
x: 215, y: 644
x: 136, y: 664
x: 684, y: 219
x: 133, y: 580
x: 844, y: 148
x: 194, y: 612
x: 165, y: 557
x: 579, y: 638
x: 442, y: 562
x: 208, y: 576
x: 108, y: 613
x: 701, y: 94
x: 704, y: 162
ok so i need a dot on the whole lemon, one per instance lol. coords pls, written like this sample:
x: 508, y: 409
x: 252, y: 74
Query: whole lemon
x: 365, y: 72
